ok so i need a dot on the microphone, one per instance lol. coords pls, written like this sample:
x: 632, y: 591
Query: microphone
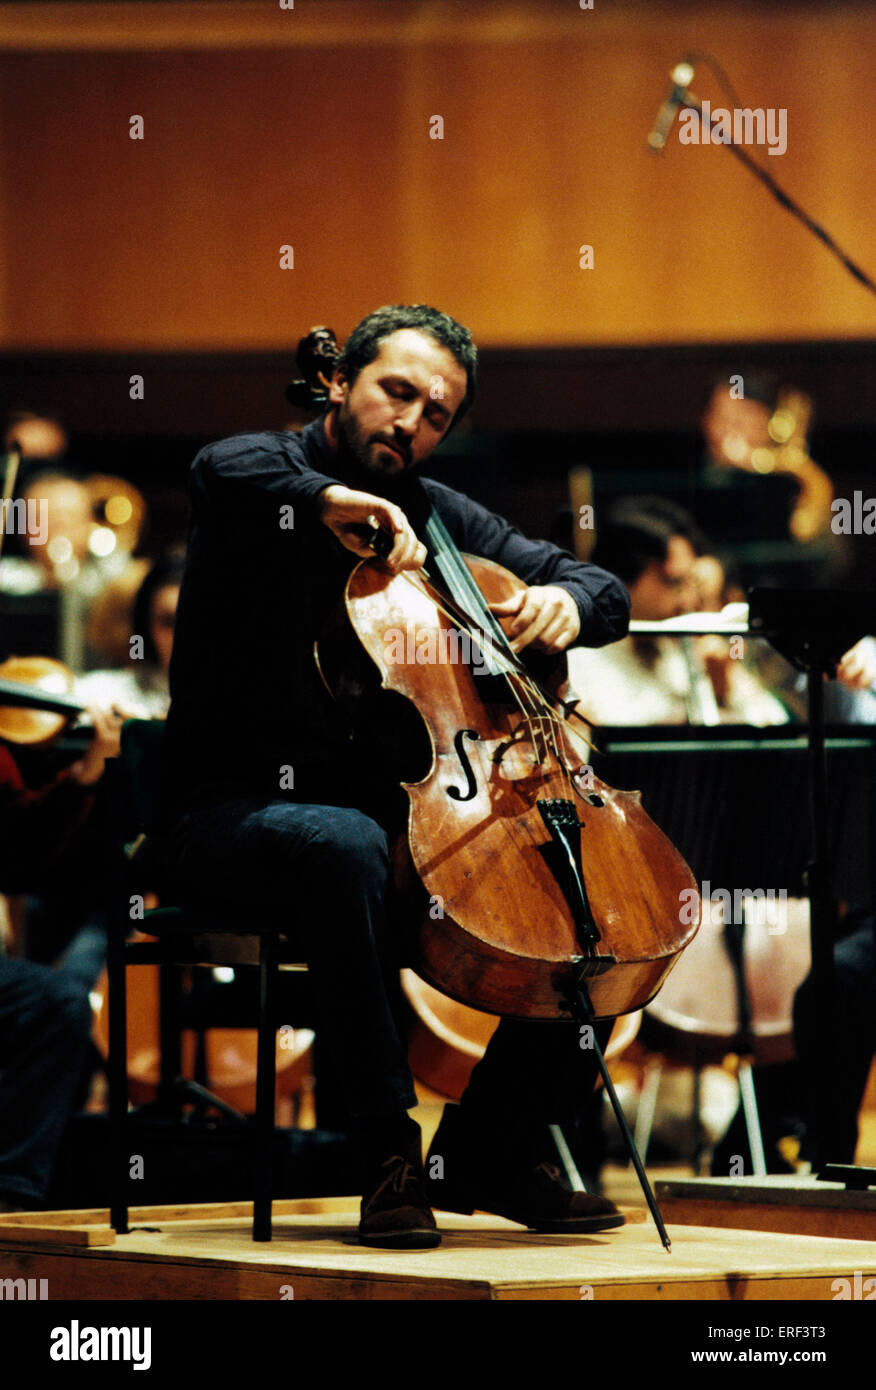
x: 681, y: 78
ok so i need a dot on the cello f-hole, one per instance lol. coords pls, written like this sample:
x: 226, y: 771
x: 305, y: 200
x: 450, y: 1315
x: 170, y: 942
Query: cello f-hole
x: 471, y: 787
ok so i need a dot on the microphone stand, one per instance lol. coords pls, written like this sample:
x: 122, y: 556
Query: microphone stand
x: 687, y: 99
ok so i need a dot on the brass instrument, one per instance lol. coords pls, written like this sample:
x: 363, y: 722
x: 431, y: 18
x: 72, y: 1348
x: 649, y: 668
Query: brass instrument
x: 119, y: 511
x: 787, y: 452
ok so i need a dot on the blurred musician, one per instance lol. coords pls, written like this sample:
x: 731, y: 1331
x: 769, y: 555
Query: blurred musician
x: 853, y: 1044
x: 759, y: 484
x: 48, y: 844
x: 68, y: 536
x: 654, y: 546
x: 142, y: 688
x: 56, y: 556
x: 45, y: 1014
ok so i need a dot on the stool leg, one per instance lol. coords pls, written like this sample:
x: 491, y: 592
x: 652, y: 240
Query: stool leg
x: 265, y: 1091
x: 117, y: 1070
x: 170, y: 1032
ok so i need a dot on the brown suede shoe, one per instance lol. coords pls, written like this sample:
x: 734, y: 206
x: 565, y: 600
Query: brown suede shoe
x: 395, y: 1211
x: 536, y: 1194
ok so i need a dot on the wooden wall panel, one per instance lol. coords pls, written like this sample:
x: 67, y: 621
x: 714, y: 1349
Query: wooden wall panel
x: 259, y: 133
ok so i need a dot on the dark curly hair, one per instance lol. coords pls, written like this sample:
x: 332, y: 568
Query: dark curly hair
x: 363, y: 344
x: 636, y: 531
x: 165, y: 571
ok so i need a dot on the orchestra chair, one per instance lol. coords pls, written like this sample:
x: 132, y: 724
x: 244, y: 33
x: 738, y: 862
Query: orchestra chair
x: 186, y: 936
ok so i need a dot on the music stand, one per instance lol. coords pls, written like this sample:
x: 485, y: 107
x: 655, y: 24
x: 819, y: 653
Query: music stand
x: 813, y: 629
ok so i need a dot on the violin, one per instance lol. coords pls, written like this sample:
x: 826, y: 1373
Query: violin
x: 35, y: 708
x: 36, y: 703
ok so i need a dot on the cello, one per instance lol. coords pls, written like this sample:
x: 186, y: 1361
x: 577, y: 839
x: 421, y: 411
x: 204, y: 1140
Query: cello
x: 545, y: 878
x: 549, y: 892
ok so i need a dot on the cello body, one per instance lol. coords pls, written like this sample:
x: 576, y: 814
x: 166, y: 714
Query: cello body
x: 501, y: 800
x: 447, y: 1039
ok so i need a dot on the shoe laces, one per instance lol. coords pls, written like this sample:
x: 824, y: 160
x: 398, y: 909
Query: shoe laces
x: 402, y: 1172
x: 552, y: 1171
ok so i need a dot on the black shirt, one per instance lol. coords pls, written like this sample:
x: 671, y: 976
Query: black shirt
x: 259, y: 585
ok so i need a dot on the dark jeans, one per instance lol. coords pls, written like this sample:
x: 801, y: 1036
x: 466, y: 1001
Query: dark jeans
x: 325, y: 872
x: 45, y: 1020
x: 84, y: 957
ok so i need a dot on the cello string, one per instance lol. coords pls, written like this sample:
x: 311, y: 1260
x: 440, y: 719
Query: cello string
x: 541, y: 709
x: 461, y: 580
x: 513, y: 677
x: 464, y: 587
x: 556, y: 723
x: 535, y: 708
x: 463, y: 620
x: 520, y: 684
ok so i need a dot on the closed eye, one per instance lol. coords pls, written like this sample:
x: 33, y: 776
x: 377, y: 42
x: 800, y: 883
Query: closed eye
x: 437, y: 416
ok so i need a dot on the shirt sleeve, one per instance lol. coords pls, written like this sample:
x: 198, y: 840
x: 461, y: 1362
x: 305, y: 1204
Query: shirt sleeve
x: 252, y: 476
x: 748, y: 702
x: 603, y: 601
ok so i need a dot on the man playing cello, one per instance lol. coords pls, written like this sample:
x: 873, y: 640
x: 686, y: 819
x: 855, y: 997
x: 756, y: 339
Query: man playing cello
x: 283, y: 813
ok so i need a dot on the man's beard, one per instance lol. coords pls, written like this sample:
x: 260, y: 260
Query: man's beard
x: 356, y: 449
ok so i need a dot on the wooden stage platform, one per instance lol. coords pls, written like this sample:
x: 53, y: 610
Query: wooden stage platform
x: 790, y: 1204
x: 206, y: 1252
